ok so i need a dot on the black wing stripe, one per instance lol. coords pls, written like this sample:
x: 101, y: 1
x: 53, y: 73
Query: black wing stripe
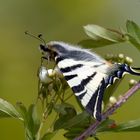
x: 131, y: 70
x: 84, y: 82
x: 78, y: 88
x: 58, y: 59
x: 98, y: 107
x: 126, y: 68
x: 119, y: 74
x: 68, y: 69
x: 91, y: 103
x: 69, y: 77
x: 123, y: 68
x: 111, y: 79
x: 94, y: 106
x: 82, y: 95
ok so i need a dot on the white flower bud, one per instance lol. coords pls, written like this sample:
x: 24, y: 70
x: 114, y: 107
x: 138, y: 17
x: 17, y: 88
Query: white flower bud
x: 112, y: 100
x: 128, y: 60
x: 121, y: 56
x: 51, y: 72
x: 44, y: 75
x: 132, y: 82
x: 58, y: 72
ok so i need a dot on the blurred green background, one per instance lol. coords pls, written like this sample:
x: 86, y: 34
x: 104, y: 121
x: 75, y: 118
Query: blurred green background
x: 56, y: 20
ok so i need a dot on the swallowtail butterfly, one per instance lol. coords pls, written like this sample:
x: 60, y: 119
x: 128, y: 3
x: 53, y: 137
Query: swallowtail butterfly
x: 87, y: 74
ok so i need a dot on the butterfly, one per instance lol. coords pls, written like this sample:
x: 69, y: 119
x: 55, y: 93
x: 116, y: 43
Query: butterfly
x: 87, y: 74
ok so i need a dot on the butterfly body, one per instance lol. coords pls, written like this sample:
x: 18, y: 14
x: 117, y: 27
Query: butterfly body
x: 86, y: 73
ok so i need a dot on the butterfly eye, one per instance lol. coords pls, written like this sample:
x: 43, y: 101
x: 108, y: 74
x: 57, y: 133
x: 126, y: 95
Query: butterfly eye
x: 42, y: 47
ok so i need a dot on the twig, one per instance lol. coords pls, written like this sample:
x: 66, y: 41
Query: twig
x: 92, y: 129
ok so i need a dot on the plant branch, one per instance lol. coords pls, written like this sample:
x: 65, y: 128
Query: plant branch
x: 92, y: 129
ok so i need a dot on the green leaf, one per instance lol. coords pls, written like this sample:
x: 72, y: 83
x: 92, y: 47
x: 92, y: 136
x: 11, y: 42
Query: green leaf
x: 61, y: 108
x: 134, y: 41
x: 4, y: 115
x: 7, y: 109
x: 133, y: 33
x: 72, y: 134
x: 133, y: 125
x: 48, y: 136
x: 33, y: 120
x: 76, y: 130
x: 78, y: 120
x: 90, y: 43
x: 22, y: 109
x: 106, y: 125
x: 77, y: 125
x: 99, y: 33
x: 111, y: 126
x: 133, y: 29
x: 66, y: 112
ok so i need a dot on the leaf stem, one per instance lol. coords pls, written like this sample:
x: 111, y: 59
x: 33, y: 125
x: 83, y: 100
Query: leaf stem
x: 39, y: 131
x: 92, y: 129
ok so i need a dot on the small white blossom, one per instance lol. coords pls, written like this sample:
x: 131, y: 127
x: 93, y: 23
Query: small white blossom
x: 128, y: 60
x: 44, y: 75
x: 132, y: 82
x: 112, y: 100
x: 51, y: 72
x: 58, y: 72
x: 121, y: 56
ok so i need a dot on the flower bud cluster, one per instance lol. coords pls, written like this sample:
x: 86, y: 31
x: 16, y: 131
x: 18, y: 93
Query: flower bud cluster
x: 47, y: 75
x: 120, y: 58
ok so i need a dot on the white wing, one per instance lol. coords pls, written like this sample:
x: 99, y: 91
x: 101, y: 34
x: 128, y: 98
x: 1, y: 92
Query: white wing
x: 87, y: 83
x: 86, y: 73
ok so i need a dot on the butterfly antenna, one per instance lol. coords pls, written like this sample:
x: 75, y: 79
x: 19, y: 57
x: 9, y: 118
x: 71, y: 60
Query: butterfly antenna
x: 36, y: 37
x: 40, y: 37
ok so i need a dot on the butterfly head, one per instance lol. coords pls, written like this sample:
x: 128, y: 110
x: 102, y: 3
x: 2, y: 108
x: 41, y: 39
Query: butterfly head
x: 48, y: 51
x: 45, y: 48
x: 54, y: 48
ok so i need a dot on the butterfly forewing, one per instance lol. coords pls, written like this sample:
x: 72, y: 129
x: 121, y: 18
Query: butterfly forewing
x: 85, y: 81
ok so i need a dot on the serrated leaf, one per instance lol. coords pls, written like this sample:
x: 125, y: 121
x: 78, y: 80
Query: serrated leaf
x: 99, y: 33
x: 7, y: 109
x: 48, y: 136
x: 133, y: 29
